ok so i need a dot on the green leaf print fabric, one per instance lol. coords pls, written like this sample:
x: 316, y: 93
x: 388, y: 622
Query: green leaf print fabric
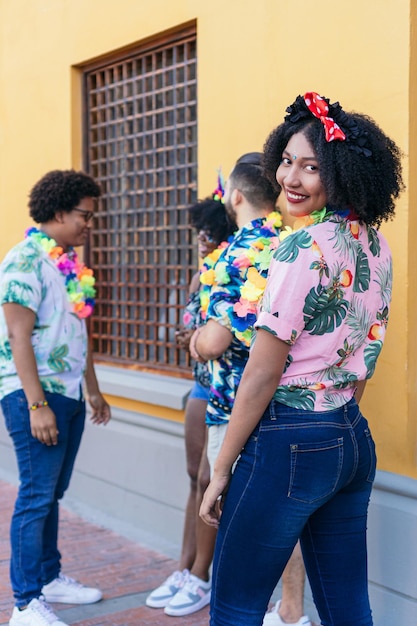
x: 29, y: 278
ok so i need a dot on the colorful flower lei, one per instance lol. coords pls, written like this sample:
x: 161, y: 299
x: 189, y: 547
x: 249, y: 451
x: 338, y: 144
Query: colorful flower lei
x: 208, y: 277
x: 319, y: 216
x: 253, y: 262
x: 79, y: 279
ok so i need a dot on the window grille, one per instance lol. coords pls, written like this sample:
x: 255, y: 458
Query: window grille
x: 141, y: 146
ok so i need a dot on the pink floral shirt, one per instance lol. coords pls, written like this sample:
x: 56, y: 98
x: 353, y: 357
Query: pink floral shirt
x: 328, y: 295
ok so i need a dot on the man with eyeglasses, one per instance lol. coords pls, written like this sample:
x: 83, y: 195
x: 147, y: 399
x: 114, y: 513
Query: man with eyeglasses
x: 87, y: 215
x: 46, y: 293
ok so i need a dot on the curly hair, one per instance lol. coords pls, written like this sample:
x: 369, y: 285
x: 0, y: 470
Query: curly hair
x: 363, y: 173
x: 60, y: 190
x: 210, y: 215
x: 248, y: 176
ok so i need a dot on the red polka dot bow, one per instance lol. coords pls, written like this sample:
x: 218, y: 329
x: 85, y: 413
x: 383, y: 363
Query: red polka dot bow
x: 319, y: 108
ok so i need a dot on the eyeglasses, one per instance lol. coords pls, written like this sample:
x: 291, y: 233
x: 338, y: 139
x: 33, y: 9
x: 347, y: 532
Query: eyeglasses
x: 203, y: 235
x: 87, y: 215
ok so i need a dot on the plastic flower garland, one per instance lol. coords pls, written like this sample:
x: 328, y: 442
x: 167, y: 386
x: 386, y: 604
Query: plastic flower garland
x: 207, y: 277
x: 79, y: 279
x: 255, y: 260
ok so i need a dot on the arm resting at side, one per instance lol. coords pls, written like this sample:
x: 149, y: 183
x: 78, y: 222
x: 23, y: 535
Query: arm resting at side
x: 101, y: 409
x: 20, y: 323
x: 260, y: 379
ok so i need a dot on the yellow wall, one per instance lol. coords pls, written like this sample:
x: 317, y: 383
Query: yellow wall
x: 253, y: 59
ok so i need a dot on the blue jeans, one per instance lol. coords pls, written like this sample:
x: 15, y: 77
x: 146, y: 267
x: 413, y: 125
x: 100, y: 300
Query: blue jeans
x: 301, y: 475
x: 44, y: 473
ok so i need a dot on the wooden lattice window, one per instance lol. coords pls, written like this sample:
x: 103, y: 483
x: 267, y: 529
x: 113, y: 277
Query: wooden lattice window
x: 141, y: 146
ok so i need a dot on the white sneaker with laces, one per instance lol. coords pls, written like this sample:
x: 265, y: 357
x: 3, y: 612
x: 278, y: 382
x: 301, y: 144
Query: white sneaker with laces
x: 37, y: 613
x: 160, y: 596
x: 69, y: 591
x: 194, y: 595
x: 273, y: 618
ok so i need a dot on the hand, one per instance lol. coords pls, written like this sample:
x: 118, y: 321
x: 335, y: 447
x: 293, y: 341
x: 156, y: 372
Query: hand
x: 183, y: 338
x: 43, y: 426
x: 193, y: 349
x: 101, y: 409
x: 211, y: 507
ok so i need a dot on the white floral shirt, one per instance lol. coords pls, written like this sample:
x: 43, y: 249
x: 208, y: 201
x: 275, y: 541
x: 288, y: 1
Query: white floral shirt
x: 29, y: 277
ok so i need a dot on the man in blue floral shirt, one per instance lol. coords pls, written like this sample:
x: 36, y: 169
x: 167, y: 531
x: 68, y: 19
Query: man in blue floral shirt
x: 234, y: 288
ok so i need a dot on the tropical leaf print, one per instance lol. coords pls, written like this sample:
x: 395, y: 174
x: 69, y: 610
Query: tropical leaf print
x: 321, y: 266
x: 265, y: 301
x: 362, y: 272
x: 348, y: 379
x: 288, y: 362
x: 359, y: 319
x: 269, y: 330
x: 289, y: 249
x: 346, y: 245
x: 293, y: 337
x: 300, y: 398
x: 333, y: 401
x: 371, y: 353
x: 25, y: 264
x: 53, y: 385
x: 56, y: 360
x: 5, y: 351
x: 344, y: 353
x: 384, y: 280
x: 382, y: 316
x: 323, y: 312
x: 332, y: 373
x: 17, y: 292
x: 373, y: 240
x: 349, y: 247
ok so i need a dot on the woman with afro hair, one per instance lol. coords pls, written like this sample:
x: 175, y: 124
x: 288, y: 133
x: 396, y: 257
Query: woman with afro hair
x: 306, y: 455
x: 209, y: 220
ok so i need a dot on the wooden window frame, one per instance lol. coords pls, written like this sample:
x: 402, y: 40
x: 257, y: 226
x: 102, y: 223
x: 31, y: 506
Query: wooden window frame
x: 140, y: 144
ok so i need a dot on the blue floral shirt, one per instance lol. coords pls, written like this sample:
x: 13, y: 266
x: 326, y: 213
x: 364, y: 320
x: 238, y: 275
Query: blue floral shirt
x: 238, y: 281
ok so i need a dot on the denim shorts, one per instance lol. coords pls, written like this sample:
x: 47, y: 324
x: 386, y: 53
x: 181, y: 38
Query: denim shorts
x: 199, y: 392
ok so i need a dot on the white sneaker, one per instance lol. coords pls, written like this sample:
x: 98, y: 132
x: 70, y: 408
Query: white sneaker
x: 160, y: 596
x: 69, y: 591
x: 37, y: 613
x: 194, y: 595
x: 273, y: 618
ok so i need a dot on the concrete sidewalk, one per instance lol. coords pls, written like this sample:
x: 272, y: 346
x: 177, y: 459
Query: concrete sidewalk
x: 124, y: 570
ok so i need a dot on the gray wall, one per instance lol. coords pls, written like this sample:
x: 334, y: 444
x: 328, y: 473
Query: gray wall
x: 131, y: 476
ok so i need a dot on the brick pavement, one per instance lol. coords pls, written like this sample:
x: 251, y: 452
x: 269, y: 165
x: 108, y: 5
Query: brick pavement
x: 96, y: 556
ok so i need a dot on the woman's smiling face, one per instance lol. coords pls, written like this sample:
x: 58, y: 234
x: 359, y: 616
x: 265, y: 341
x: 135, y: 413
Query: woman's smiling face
x: 299, y: 177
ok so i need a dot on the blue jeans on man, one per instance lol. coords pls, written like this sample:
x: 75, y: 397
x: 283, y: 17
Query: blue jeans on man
x: 44, y: 473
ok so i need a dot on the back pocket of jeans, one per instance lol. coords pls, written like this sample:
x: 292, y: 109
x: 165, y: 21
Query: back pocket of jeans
x: 315, y: 469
